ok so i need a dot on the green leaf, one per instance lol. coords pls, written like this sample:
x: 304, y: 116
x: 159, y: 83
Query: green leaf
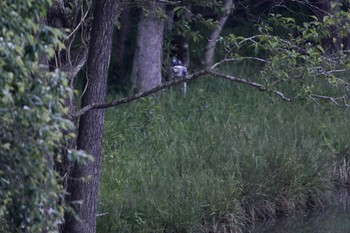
x: 319, y: 47
x: 314, y: 17
x: 6, y: 146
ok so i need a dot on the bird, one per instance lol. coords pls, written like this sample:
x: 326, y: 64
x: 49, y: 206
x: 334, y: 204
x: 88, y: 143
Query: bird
x: 178, y: 69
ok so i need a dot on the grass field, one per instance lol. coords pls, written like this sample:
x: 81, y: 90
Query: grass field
x: 219, y: 159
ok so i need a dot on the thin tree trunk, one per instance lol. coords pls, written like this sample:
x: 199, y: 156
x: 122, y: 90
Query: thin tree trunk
x: 210, y: 50
x: 84, y: 183
x: 146, y: 71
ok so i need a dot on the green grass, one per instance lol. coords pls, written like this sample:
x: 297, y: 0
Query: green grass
x: 217, y: 159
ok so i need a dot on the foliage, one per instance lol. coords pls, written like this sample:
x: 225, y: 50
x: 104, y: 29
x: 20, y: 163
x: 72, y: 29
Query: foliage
x: 187, y: 21
x: 303, y: 57
x: 216, y: 159
x: 32, y: 119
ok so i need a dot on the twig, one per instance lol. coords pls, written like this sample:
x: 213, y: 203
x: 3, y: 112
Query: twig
x: 169, y: 2
x: 333, y: 100
x: 78, y: 26
x: 253, y: 84
x: 79, y: 64
x: 238, y: 80
x: 238, y: 59
x: 101, y: 214
x: 249, y: 39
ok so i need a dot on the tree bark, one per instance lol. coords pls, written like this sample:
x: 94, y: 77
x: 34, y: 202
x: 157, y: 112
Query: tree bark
x: 210, y: 50
x: 84, y: 182
x: 146, y: 71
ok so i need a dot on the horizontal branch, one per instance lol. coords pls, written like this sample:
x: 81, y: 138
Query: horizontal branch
x: 198, y: 74
x: 138, y: 95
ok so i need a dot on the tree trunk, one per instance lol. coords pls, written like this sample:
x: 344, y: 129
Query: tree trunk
x: 146, y: 71
x: 120, y: 68
x: 83, y: 185
x: 210, y: 50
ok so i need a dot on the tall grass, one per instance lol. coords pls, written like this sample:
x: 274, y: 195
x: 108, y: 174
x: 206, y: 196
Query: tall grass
x: 217, y: 160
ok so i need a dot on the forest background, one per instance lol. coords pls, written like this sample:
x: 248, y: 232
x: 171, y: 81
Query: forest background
x: 261, y: 132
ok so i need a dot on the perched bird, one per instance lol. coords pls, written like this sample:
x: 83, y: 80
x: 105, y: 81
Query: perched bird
x: 178, y: 69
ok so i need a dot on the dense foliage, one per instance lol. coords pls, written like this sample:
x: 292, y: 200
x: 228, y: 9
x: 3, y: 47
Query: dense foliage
x: 31, y: 120
x: 216, y: 161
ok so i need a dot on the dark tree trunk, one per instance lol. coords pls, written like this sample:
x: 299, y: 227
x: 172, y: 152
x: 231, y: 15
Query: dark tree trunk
x: 146, y: 71
x: 123, y: 36
x: 84, y: 182
x: 120, y: 67
x: 210, y: 50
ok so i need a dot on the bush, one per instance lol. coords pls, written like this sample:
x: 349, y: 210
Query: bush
x: 31, y: 121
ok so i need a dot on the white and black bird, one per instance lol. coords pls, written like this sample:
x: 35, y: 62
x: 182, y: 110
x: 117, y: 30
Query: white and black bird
x: 178, y: 69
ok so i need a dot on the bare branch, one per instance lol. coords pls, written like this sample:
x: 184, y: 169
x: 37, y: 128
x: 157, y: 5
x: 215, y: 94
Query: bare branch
x: 253, y: 84
x: 79, y: 64
x: 173, y: 82
x: 334, y: 100
x: 79, y: 24
x: 251, y: 39
x: 168, y: 2
x: 238, y: 80
x: 213, y: 73
x: 238, y: 59
x: 320, y: 71
x: 138, y: 95
x: 102, y: 214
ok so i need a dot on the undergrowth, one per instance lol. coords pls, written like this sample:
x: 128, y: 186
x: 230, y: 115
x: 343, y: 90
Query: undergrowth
x: 218, y: 159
